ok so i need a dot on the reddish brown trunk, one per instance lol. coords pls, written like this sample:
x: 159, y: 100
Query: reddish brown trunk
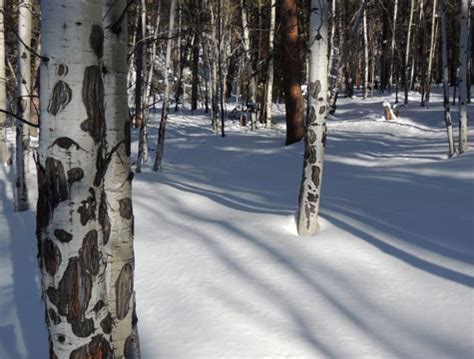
x: 291, y: 63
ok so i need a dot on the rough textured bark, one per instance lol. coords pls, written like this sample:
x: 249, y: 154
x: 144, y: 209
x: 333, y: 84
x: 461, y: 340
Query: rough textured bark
x: 444, y: 49
x: 3, y: 90
x: 23, y: 104
x: 463, y: 63
x: 269, y: 84
x: 315, y: 134
x: 117, y: 205
x: 291, y: 65
x: 166, y: 96
x: 72, y: 220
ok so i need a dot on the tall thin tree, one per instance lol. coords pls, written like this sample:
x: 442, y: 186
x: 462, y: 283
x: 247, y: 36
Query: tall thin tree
x: 315, y: 134
x: 463, y: 63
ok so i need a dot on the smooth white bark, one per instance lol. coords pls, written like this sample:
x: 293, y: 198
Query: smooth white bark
x: 269, y: 85
x: 463, y: 63
x: 3, y: 92
x: 315, y: 134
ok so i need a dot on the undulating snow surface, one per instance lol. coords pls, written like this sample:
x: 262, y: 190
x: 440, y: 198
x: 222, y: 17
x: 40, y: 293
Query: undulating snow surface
x: 221, y: 273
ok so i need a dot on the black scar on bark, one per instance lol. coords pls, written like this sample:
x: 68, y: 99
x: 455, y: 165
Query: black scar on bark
x: 125, y: 208
x: 310, y: 154
x: 322, y: 110
x: 315, y: 89
x: 124, y: 290
x: 21, y: 105
x: 75, y: 175
x: 66, y: 143
x: 315, y: 174
x: 312, y: 197
x: 43, y: 206
x: 97, y: 348
x: 51, y: 256
x: 89, y: 254
x: 72, y: 297
x: 106, y: 324
x: 129, y: 348
x: 96, y: 40
x: 62, y: 70
x: 93, y: 99
x: 62, y: 235
x: 87, y: 208
x: 54, y: 317
x: 56, y: 183
x: 311, y: 115
x: 62, y: 95
x: 323, y: 140
x: 98, y: 306
x: 311, y: 136
x: 104, y: 219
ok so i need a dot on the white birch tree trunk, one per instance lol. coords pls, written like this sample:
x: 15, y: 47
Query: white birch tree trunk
x: 393, y: 44
x: 315, y: 134
x: 407, y: 51
x: 434, y: 28
x: 23, y: 104
x: 463, y: 63
x: 72, y: 220
x: 166, y: 96
x: 366, y: 57
x: 117, y: 185
x: 3, y: 90
x: 447, y: 110
x: 269, y: 84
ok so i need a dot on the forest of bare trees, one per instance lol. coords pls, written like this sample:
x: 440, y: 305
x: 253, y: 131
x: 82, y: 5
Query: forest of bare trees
x: 80, y: 79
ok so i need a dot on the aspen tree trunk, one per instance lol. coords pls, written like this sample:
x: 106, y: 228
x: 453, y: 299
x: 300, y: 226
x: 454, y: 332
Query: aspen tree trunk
x: 315, y: 135
x: 160, y: 148
x: 463, y: 63
x: 140, y: 63
x: 393, y: 44
x: 406, y: 75
x: 220, y: 64
x: 434, y: 27
x: 3, y: 90
x: 269, y: 84
x: 291, y: 66
x: 354, y: 45
x: 117, y: 186
x: 73, y: 224
x: 334, y: 58
x: 366, y: 57
x: 214, y: 51
x: 140, y: 99
x: 151, y: 71
x: 251, y: 98
x: 195, y: 65
x: 23, y: 105
x: 34, y: 101
x: 181, y: 59
x: 444, y: 49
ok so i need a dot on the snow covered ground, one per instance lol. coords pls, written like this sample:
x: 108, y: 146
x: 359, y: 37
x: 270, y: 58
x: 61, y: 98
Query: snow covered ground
x: 221, y: 273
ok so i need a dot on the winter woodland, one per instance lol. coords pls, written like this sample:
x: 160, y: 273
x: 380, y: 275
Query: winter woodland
x: 236, y: 179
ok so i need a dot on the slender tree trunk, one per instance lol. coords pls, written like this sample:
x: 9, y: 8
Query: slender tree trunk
x: 315, y: 135
x: 160, y: 148
x: 195, y: 65
x: 407, y: 51
x: 463, y: 63
x: 23, y: 104
x: 366, y: 57
x: 434, y: 28
x: 291, y: 66
x: 3, y: 91
x: 72, y: 218
x: 220, y: 63
x: 444, y: 48
x: 117, y: 186
x: 269, y: 84
x: 393, y: 44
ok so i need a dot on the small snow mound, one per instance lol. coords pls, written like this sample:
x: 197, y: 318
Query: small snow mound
x: 289, y: 224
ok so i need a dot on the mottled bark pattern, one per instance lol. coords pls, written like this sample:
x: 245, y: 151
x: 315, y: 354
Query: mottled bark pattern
x: 62, y: 95
x: 315, y: 136
x: 124, y: 290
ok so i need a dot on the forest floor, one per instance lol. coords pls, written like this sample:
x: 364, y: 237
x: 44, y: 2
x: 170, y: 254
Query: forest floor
x: 221, y: 273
